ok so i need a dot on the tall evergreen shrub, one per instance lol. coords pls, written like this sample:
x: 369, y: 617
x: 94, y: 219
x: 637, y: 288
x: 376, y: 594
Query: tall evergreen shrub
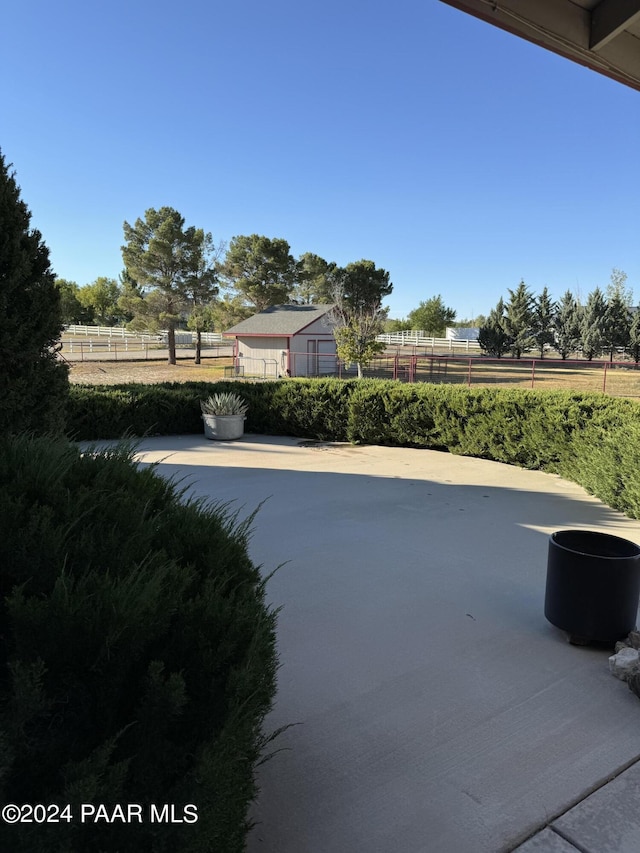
x: 138, y: 658
x: 33, y: 383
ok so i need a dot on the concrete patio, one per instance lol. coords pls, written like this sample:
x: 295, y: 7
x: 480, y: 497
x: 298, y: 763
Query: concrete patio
x: 435, y: 709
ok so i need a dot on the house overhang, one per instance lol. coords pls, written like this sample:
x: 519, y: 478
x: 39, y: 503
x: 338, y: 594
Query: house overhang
x: 603, y: 35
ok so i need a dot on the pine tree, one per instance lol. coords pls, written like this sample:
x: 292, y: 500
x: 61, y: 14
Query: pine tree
x: 566, y: 325
x: 158, y: 255
x: 518, y: 321
x: 634, y: 336
x: 617, y: 320
x: 616, y: 326
x: 492, y: 337
x: 592, y: 325
x: 543, y: 313
x: 201, y: 286
x: 33, y: 382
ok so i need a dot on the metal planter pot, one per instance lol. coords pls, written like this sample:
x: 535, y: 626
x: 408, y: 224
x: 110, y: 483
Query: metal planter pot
x: 223, y: 427
x: 593, y: 585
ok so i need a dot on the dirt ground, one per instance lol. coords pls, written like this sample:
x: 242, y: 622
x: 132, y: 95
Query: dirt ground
x: 621, y: 380
x: 116, y: 373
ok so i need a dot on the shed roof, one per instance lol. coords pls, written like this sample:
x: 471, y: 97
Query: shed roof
x: 280, y: 320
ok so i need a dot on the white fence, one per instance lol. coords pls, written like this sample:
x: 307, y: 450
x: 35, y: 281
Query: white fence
x: 121, y: 332
x: 419, y: 339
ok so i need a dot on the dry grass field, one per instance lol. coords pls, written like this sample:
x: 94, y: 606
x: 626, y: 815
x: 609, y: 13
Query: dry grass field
x: 621, y: 379
x: 616, y: 380
x: 116, y: 373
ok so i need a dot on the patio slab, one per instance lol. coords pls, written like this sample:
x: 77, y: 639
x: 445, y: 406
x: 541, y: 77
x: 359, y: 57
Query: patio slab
x: 434, y: 708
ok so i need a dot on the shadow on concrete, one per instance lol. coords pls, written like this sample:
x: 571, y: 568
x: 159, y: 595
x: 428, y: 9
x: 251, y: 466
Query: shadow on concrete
x: 438, y: 710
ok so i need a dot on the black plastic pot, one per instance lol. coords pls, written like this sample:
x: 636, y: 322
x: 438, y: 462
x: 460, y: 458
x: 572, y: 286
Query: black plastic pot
x: 593, y: 585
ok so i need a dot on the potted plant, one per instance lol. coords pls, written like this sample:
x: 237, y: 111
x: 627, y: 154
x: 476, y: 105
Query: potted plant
x: 224, y: 416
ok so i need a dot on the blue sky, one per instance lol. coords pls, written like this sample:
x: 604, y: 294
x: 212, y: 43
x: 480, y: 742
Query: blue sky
x: 456, y: 156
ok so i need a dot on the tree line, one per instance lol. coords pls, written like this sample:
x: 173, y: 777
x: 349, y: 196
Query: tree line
x: 431, y: 316
x: 607, y: 323
x: 176, y: 275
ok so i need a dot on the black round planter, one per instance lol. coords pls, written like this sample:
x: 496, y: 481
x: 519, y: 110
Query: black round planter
x: 593, y: 585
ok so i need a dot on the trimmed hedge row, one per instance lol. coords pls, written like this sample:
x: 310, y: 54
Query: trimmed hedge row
x: 306, y: 408
x: 138, y: 656
x: 588, y: 438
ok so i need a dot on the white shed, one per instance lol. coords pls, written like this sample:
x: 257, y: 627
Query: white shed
x: 286, y: 340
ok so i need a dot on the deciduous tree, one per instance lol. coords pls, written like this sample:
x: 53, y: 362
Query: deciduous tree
x: 618, y: 287
x: 432, y: 316
x: 358, y: 314
x: 473, y: 323
x: 394, y: 326
x: 100, y: 298
x: 73, y: 311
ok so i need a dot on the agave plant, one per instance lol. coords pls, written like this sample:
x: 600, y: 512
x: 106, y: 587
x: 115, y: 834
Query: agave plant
x: 224, y: 403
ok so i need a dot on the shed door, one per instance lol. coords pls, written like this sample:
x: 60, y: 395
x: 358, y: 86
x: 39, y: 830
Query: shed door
x: 312, y: 358
x: 326, y: 358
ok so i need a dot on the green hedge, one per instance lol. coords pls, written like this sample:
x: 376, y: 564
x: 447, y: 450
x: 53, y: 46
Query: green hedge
x: 589, y: 438
x: 138, y: 655
x: 316, y: 408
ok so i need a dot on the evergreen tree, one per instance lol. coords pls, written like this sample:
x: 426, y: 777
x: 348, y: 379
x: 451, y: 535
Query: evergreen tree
x: 33, y: 382
x: 616, y: 327
x: 228, y: 311
x: 261, y: 270
x: 201, y: 285
x: 634, y: 336
x: 493, y: 337
x: 592, y: 325
x: 317, y: 280
x: 617, y: 321
x: 130, y: 296
x: 543, y: 313
x: 158, y: 254
x: 518, y: 322
x: 566, y: 325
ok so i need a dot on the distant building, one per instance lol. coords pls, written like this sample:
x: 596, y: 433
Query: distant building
x: 286, y: 340
x: 467, y: 334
